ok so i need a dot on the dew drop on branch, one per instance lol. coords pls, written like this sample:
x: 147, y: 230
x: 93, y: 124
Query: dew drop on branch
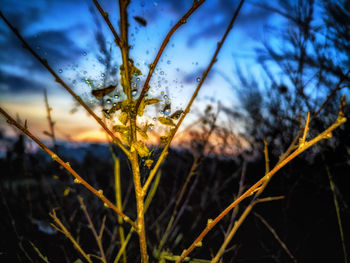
x: 167, y: 109
x: 134, y: 92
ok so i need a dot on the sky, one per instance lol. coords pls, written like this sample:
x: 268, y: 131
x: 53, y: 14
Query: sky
x: 71, y: 35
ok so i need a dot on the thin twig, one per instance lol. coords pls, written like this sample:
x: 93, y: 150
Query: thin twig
x: 337, y: 210
x: 267, y: 161
x: 51, y: 122
x: 98, y: 237
x: 238, y: 223
x: 275, y: 235
x: 67, y: 166
x: 108, y: 22
x: 61, y: 228
x: 182, y: 21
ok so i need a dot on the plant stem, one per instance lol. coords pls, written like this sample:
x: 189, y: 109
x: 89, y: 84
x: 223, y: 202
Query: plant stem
x: 51, y: 122
x: 108, y: 22
x: 93, y: 230
x: 124, y: 47
x: 337, y: 210
x: 118, y: 198
x: 140, y: 207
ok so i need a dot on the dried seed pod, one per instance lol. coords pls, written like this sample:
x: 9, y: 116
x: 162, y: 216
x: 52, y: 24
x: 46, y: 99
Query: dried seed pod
x: 99, y: 93
x: 140, y: 20
x: 176, y: 115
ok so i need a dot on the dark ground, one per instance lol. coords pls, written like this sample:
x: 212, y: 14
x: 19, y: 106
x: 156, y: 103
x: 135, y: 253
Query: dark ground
x: 305, y: 220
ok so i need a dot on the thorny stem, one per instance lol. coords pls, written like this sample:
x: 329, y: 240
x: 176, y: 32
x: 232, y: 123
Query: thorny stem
x: 187, y: 110
x: 108, y: 22
x: 65, y: 86
x: 182, y: 21
x: 67, y: 166
x: 261, y: 184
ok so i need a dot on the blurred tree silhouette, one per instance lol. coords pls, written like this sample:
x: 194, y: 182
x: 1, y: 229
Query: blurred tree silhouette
x: 312, y: 60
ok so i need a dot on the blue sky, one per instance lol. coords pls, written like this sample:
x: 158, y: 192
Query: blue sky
x: 64, y: 32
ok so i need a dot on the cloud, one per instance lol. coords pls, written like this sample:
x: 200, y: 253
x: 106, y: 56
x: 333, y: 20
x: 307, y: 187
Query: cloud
x: 249, y: 21
x: 14, y: 84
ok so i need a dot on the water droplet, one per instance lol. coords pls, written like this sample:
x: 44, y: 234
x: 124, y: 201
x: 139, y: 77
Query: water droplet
x: 138, y: 79
x: 106, y: 113
x: 100, y: 192
x: 183, y: 21
x: 198, y: 79
x: 102, y: 75
x: 114, y: 104
x: 165, y: 97
x: 134, y: 92
x: 168, y: 62
x: 116, y: 96
x: 167, y: 109
x: 134, y: 84
x: 162, y: 73
x: 60, y: 70
x: 108, y: 101
x: 84, y: 53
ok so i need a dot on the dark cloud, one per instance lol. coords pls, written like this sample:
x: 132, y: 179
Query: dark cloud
x: 14, y: 84
x: 250, y: 19
x: 55, y: 45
